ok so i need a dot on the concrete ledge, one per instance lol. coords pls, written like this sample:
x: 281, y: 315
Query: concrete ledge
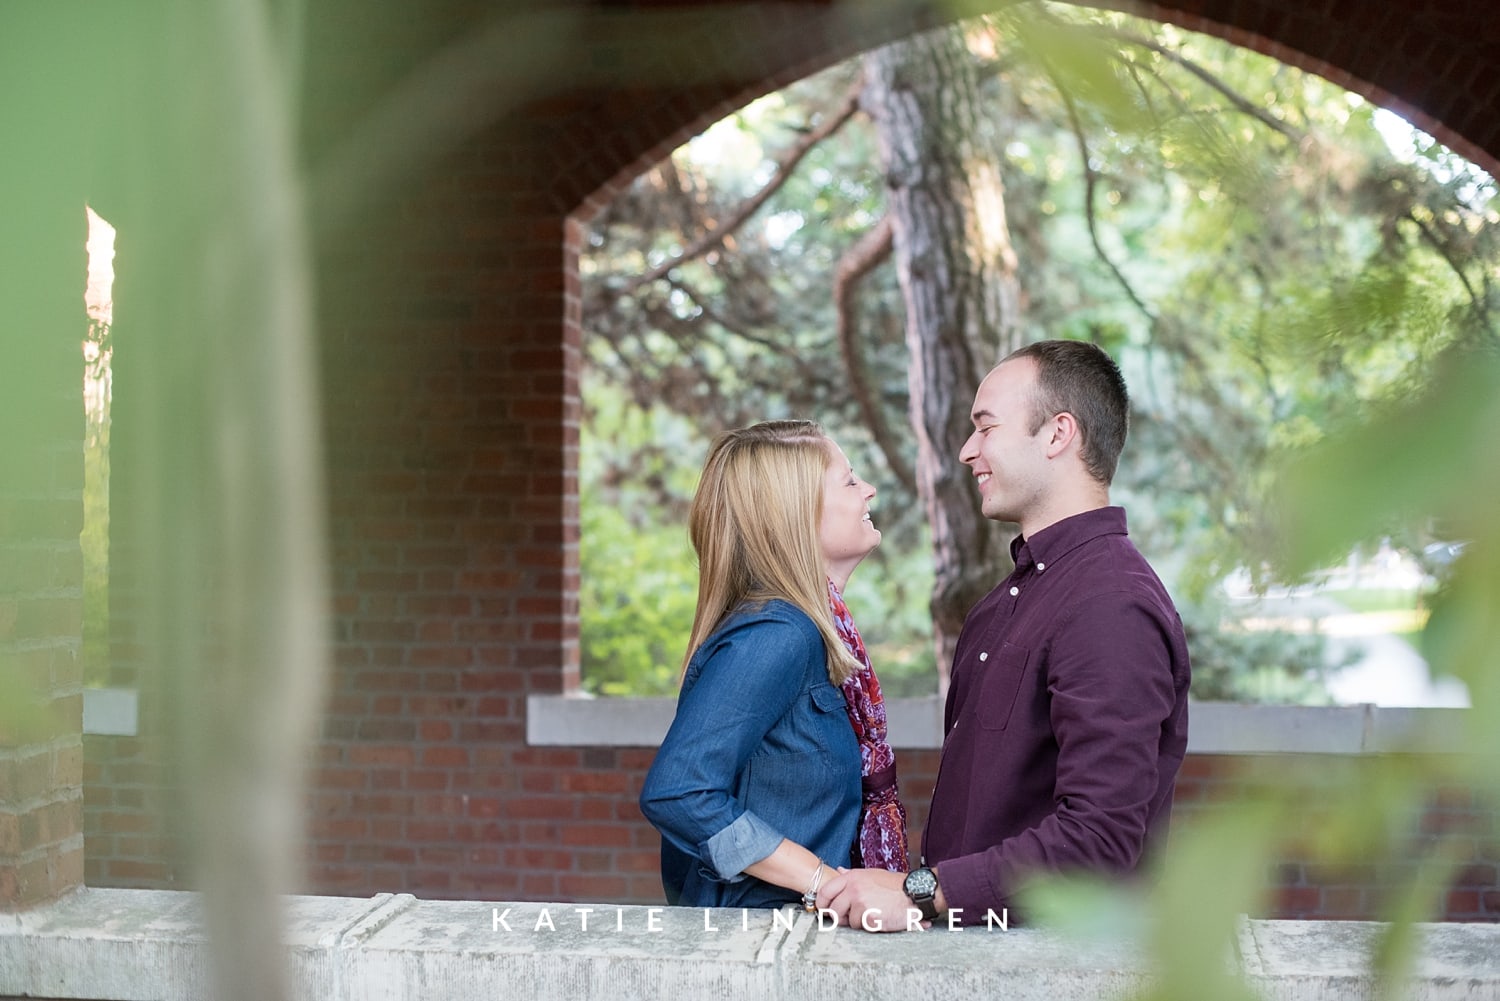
x: 127, y: 945
x: 1329, y: 960
x: 1216, y: 727
x: 563, y: 720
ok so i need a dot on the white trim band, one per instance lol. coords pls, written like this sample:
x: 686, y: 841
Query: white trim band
x: 1214, y: 727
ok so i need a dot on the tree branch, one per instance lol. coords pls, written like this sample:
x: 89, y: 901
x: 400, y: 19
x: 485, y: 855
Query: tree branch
x: 730, y: 325
x: 1481, y: 312
x: 1240, y: 102
x: 1090, y: 185
x: 868, y: 252
x: 787, y: 163
x: 1154, y: 322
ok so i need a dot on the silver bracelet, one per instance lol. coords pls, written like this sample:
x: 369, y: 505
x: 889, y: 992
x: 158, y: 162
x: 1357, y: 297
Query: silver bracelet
x: 810, y: 898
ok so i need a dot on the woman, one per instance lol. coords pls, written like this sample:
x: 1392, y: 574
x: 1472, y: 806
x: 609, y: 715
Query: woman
x: 757, y: 787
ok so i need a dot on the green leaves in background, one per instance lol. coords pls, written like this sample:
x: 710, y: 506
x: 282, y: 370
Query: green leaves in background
x: 636, y: 597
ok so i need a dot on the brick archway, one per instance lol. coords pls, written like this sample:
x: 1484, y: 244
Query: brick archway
x: 451, y: 338
x: 1428, y: 61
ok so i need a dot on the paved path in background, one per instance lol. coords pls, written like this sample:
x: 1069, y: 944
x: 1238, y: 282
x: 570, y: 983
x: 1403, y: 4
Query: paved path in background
x: 1387, y: 671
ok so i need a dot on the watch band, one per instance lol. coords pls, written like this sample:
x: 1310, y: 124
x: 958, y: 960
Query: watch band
x: 921, y: 888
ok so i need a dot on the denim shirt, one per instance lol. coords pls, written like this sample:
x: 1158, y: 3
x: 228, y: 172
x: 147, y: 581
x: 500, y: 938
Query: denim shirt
x: 761, y: 749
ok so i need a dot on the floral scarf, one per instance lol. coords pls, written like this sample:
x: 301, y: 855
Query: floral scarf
x: 881, y: 842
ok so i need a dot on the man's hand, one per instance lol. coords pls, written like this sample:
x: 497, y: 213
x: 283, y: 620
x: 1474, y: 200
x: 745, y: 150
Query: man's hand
x: 871, y: 899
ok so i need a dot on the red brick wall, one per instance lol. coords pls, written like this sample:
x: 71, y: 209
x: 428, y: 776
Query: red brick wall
x: 1303, y: 887
x: 561, y: 824
x: 126, y: 816
x: 577, y: 835
x: 569, y: 830
x: 449, y: 427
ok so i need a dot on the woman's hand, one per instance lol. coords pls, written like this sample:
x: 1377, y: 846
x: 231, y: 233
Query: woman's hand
x: 872, y: 899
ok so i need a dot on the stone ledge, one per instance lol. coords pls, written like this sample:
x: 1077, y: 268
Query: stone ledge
x: 131, y: 945
x: 917, y: 723
x: 1215, y: 728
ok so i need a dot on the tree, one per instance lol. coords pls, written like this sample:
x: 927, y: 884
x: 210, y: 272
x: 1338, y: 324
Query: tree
x: 958, y: 277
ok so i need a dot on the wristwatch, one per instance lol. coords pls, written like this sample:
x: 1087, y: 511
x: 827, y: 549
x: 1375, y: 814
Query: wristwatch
x: 921, y: 886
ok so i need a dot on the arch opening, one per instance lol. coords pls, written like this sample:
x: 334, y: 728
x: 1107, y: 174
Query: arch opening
x: 672, y: 334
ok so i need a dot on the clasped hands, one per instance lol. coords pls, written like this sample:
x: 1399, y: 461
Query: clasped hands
x: 872, y: 899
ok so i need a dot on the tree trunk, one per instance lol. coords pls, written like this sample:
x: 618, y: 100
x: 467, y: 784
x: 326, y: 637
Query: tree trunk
x: 957, y: 271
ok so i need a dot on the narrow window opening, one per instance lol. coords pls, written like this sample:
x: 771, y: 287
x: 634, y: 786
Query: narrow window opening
x: 98, y: 348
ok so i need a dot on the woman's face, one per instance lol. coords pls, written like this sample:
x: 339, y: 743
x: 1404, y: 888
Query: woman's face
x: 846, y: 533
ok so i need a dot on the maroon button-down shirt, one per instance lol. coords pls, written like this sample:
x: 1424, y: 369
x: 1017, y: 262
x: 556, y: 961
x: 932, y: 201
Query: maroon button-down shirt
x: 1066, y: 718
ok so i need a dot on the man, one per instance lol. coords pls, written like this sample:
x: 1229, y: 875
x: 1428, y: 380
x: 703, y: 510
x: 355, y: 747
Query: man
x: 1066, y: 718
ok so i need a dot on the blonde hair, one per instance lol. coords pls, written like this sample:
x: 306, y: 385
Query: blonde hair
x: 754, y: 523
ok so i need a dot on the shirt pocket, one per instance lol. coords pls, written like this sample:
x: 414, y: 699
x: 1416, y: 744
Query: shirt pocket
x: 806, y: 774
x: 1001, y: 684
x: 816, y: 722
x: 826, y: 698
x: 828, y: 718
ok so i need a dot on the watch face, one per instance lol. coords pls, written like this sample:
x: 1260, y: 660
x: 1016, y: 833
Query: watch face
x: 921, y: 883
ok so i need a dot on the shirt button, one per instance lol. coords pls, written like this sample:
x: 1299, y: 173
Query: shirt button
x: 1040, y: 567
x: 984, y: 655
x: 1015, y: 591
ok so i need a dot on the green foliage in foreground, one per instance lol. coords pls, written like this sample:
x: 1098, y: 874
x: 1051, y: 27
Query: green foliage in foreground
x: 1431, y: 455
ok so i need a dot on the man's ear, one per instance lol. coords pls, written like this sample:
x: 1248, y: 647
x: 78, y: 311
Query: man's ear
x: 1065, y: 433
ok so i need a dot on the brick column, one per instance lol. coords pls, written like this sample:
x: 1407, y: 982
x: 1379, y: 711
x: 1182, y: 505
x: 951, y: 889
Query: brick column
x: 48, y: 63
x: 41, y: 563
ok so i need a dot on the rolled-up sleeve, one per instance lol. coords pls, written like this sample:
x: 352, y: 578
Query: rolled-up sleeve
x: 748, y: 679
x: 746, y: 841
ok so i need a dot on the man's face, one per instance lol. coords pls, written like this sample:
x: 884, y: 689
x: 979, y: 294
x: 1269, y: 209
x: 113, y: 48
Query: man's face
x: 1009, y: 461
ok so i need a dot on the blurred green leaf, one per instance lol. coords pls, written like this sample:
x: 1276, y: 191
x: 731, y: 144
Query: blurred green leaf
x: 1086, y: 909
x: 1463, y: 637
x: 1399, y: 944
x: 1426, y: 456
x: 1084, y: 66
x: 1215, y: 873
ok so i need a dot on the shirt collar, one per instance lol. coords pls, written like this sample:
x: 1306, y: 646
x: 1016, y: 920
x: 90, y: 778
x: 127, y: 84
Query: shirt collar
x: 1058, y: 539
